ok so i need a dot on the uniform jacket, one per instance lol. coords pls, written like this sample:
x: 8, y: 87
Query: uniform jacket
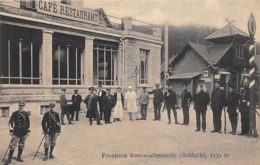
x: 115, y: 99
x: 186, y: 98
x: 108, y: 102
x: 20, y: 123
x: 170, y: 98
x: 217, y: 99
x: 244, y: 99
x: 158, y: 96
x: 232, y: 102
x: 51, y: 123
x: 76, y: 100
x: 63, y: 101
x: 201, y: 100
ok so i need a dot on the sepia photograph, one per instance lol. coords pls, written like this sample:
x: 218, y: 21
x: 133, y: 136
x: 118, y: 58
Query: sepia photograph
x: 122, y: 82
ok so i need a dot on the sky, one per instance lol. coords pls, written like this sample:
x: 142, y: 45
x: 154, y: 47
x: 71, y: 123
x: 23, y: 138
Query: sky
x: 184, y: 12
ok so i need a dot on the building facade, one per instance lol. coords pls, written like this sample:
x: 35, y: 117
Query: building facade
x: 49, y: 45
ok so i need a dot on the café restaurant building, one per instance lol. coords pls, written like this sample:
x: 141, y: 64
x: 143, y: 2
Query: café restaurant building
x: 49, y: 45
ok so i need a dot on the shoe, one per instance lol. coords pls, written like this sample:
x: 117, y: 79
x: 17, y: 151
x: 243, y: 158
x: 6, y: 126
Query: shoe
x: 19, y: 159
x: 183, y: 124
x: 197, y: 130
x: 119, y: 120
x: 109, y: 122
x: 234, y: 133
x: 154, y: 119
x: 213, y: 131
x: 45, y: 158
x: 169, y: 122
x: 204, y: 130
x: 51, y: 156
x: 219, y: 132
x: 242, y: 134
x: 63, y: 124
x: 71, y: 123
x: 106, y: 123
x: 187, y: 124
x: 90, y: 124
x: 230, y: 132
x: 7, y: 161
x: 177, y: 122
x: 100, y: 124
x: 77, y: 119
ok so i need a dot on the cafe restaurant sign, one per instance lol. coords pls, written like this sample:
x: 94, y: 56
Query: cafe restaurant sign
x: 55, y: 8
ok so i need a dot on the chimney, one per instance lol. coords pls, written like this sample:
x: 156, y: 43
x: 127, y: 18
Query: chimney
x: 127, y: 23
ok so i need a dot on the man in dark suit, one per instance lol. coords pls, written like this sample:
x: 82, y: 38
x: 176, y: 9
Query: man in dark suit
x: 64, y: 107
x: 157, y: 101
x: 217, y: 103
x: 186, y: 98
x: 108, y: 104
x: 100, y: 94
x: 76, y: 100
x: 170, y: 101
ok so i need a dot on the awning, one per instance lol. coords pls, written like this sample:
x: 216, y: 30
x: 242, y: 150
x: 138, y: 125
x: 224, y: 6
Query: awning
x: 184, y: 75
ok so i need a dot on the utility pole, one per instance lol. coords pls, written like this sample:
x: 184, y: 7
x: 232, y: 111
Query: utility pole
x: 166, y: 52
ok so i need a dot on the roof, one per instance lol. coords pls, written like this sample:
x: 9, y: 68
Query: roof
x: 185, y: 75
x: 228, y: 30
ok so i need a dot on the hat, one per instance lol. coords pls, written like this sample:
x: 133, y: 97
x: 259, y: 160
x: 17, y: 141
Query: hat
x: 52, y: 105
x: 201, y: 81
x: 217, y: 81
x: 143, y: 87
x: 100, y: 86
x: 184, y: 84
x: 129, y: 87
x: 108, y: 89
x: 91, y: 88
x: 157, y: 84
x: 21, y: 103
x: 119, y: 88
x: 76, y: 90
x: 63, y: 89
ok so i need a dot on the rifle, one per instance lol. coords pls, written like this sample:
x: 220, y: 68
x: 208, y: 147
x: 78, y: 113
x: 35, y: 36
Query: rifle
x: 225, y: 121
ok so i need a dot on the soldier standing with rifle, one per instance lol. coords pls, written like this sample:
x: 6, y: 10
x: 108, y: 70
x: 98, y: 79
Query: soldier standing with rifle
x: 19, y: 124
x: 51, y: 129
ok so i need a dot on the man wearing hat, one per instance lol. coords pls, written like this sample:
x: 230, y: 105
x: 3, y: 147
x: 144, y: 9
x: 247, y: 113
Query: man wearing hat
x: 144, y: 103
x: 76, y: 100
x: 64, y: 107
x: 108, y: 104
x: 217, y: 104
x: 201, y: 99
x: 51, y: 129
x: 100, y: 94
x: 232, y: 104
x: 19, y: 124
x: 186, y: 98
x: 170, y: 101
x: 91, y: 102
x: 157, y: 101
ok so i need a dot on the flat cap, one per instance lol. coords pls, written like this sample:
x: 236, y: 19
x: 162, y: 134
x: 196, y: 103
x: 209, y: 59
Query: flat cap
x: 52, y: 105
x: 91, y: 88
x: 21, y: 103
x: 63, y: 89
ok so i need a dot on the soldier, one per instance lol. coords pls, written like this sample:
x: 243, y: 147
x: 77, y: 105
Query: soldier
x: 170, y: 100
x: 244, y: 107
x: 101, y: 93
x: 51, y: 129
x: 144, y: 103
x: 108, y: 104
x: 201, y: 100
x: 64, y: 107
x: 76, y: 100
x: 217, y: 104
x: 119, y: 105
x: 19, y: 124
x: 232, y: 104
x: 91, y: 102
x: 157, y: 102
x: 186, y: 98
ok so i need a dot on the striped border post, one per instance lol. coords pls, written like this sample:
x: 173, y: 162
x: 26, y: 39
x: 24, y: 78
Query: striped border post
x: 252, y: 50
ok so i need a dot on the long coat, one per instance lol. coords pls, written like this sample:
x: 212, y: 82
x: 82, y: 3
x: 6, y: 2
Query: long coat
x: 130, y: 98
x: 201, y: 100
x: 170, y: 99
x: 217, y: 99
x: 76, y: 100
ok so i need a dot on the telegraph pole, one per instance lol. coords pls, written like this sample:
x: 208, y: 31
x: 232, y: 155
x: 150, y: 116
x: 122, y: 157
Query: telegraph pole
x: 166, y: 52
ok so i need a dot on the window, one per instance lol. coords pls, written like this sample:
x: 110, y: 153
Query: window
x: 206, y: 73
x: 67, y: 62
x: 143, y: 72
x: 105, y: 65
x: 28, y: 4
x: 4, y: 111
x: 44, y: 109
x: 20, y: 59
x: 67, y: 2
x: 239, y: 49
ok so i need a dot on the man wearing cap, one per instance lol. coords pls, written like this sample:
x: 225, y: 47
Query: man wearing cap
x: 232, y: 104
x: 64, y: 107
x: 186, y: 98
x: 108, y: 104
x: 118, y: 105
x: 170, y: 101
x: 157, y: 101
x: 76, y: 100
x: 201, y: 99
x: 19, y: 124
x: 51, y: 129
x: 101, y: 93
x: 217, y: 104
x: 144, y: 103
x: 91, y: 102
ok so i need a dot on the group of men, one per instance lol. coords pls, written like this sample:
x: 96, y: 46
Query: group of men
x: 99, y: 104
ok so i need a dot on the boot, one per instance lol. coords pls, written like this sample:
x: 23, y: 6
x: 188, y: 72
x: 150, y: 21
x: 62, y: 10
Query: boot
x: 46, y: 153
x: 51, y: 156
x: 169, y: 119
x: 11, y: 152
x: 176, y: 120
x: 234, y: 129
x: 20, y: 151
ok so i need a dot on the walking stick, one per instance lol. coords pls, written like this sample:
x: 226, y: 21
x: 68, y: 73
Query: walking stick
x: 225, y: 121
x: 38, y: 147
x: 7, y: 148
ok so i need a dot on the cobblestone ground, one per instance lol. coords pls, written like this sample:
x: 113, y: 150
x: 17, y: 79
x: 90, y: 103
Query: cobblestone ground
x: 98, y: 145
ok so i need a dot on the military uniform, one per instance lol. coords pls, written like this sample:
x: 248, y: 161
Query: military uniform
x: 51, y: 128
x: 244, y: 111
x: 108, y: 104
x: 64, y: 108
x: 76, y: 101
x: 186, y: 98
x: 20, y: 128
x: 170, y: 102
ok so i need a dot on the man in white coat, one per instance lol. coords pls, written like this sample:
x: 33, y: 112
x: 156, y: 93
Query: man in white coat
x: 131, y: 103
